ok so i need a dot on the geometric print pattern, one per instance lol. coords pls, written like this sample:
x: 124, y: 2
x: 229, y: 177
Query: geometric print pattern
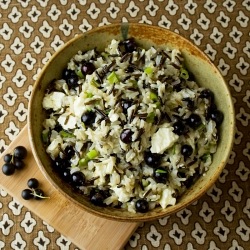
x: 32, y: 30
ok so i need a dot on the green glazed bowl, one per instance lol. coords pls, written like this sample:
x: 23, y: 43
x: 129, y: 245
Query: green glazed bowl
x: 196, y: 61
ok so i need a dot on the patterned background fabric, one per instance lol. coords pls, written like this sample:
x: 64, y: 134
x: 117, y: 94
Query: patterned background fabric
x: 32, y: 30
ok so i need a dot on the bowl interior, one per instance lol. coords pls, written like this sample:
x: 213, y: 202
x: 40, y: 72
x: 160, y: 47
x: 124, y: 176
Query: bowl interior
x: 205, y: 73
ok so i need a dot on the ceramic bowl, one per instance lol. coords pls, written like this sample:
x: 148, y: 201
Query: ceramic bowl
x: 197, y: 62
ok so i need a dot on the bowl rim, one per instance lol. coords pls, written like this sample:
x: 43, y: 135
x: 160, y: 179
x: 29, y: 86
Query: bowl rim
x: 143, y: 217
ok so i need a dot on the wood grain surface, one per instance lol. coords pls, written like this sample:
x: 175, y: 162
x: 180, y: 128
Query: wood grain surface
x: 83, y: 229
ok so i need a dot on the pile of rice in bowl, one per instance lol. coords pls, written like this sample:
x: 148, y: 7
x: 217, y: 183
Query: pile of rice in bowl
x: 129, y: 127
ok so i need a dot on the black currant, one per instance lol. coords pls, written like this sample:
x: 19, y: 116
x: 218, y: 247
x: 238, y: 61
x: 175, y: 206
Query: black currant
x: 130, y: 45
x: 126, y: 104
x: 88, y: 118
x: 72, y: 82
x: 69, y: 152
x: 190, y: 103
x: 8, y: 168
x: 66, y: 175
x: 217, y: 116
x: 33, y: 183
x: 152, y: 160
x: 67, y: 73
x: 160, y: 175
x: 207, y: 94
x: 126, y: 136
x: 141, y: 206
x: 20, y: 152
x: 7, y: 158
x: 78, y: 178
x: 88, y: 68
x: 71, y: 78
x: 19, y: 164
x: 97, y: 197
x: 60, y: 164
x: 179, y: 128
x: 194, y: 121
x: 27, y: 194
x: 186, y: 150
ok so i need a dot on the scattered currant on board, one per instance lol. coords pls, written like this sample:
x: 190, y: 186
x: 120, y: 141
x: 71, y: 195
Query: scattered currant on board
x: 14, y: 160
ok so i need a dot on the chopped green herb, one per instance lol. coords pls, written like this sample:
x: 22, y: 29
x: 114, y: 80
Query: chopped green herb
x: 150, y: 117
x: 158, y: 104
x: 144, y: 182
x: 201, y: 127
x: 161, y: 171
x: 94, y: 83
x: 105, y: 55
x: 153, y: 96
x: 65, y: 134
x: 134, y: 82
x: 79, y: 73
x: 83, y: 162
x: 45, y: 136
x: 88, y: 95
x: 113, y: 78
x: 205, y: 157
x: 149, y: 71
x: 92, y: 154
x: 174, y: 149
x: 106, y: 111
x: 184, y: 74
x: 89, y: 156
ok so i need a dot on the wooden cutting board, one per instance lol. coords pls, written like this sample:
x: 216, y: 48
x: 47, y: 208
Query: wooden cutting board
x: 85, y: 230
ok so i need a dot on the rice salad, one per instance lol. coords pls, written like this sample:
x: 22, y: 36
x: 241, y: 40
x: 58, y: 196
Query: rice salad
x: 129, y: 127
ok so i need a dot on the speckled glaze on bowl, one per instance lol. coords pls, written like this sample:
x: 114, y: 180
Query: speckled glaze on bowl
x: 205, y: 73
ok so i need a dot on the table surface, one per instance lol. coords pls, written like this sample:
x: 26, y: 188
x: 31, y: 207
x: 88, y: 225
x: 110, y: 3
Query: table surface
x: 31, y: 31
